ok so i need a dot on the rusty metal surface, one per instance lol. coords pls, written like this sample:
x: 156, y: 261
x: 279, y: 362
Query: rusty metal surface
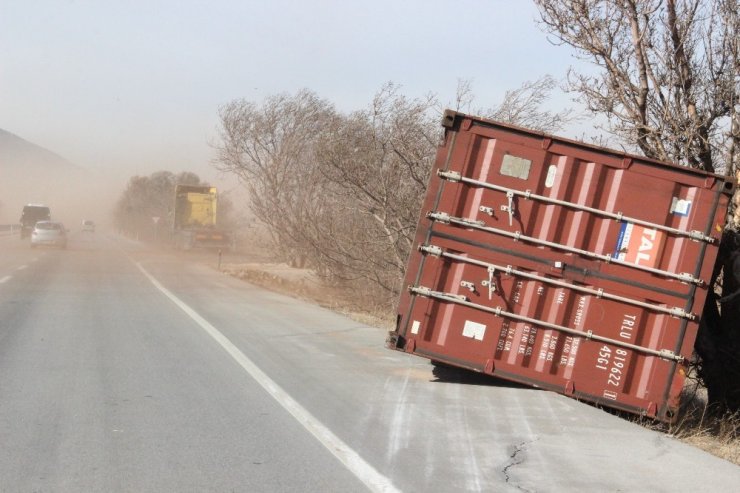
x: 561, y: 265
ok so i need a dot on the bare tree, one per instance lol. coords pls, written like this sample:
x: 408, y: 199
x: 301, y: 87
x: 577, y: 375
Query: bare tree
x: 524, y: 106
x: 378, y: 162
x: 668, y: 78
x: 666, y: 73
x: 270, y: 148
x: 343, y: 192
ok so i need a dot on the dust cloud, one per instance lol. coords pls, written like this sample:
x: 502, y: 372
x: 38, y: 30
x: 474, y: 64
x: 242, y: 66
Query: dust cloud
x: 31, y: 174
x: 72, y: 194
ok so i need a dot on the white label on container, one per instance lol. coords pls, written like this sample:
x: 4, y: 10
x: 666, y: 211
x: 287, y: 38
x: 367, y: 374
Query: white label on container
x: 680, y: 207
x: 415, y: 327
x: 474, y: 330
x: 515, y: 166
x: 552, y: 172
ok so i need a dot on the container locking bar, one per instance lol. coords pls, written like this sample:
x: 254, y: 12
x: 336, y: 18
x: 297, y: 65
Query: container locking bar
x: 518, y: 236
x: 588, y: 334
x: 599, y: 293
x: 456, y: 177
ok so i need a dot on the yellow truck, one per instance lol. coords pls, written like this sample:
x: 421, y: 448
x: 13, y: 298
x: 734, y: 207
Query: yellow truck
x: 195, y: 223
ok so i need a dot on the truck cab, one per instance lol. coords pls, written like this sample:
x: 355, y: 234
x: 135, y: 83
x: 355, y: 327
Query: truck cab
x: 32, y: 213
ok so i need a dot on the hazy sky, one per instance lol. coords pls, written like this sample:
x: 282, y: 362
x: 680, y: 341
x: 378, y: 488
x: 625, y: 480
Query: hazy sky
x: 133, y: 87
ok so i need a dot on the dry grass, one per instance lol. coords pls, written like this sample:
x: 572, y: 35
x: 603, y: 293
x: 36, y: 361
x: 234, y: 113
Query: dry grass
x: 697, y: 424
x: 700, y: 425
x: 708, y: 429
x: 304, y: 284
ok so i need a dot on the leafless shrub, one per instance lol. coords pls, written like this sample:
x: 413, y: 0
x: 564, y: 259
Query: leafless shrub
x: 341, y: 193
x: 377, y: 163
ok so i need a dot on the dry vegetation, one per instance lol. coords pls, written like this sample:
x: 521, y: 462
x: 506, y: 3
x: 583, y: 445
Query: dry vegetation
x: 307, y: 285
x: 702, y: 425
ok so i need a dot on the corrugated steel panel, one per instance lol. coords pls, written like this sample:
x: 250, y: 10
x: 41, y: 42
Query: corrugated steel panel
x: 562, y: 265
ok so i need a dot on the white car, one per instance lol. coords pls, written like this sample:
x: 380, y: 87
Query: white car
x: 88, y: 225
x: 49, y: 233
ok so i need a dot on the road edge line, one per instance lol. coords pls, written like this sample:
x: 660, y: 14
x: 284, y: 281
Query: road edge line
x: 363, y: 470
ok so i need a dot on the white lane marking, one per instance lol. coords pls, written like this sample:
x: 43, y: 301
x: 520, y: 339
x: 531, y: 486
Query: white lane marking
x: 347, y: 456
x: 5, y: 279
x: 22, y: 267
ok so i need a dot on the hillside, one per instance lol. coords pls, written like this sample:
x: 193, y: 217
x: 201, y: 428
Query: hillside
x: 31, y: 173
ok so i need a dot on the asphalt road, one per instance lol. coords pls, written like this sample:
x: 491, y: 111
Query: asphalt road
x: 123, y: 368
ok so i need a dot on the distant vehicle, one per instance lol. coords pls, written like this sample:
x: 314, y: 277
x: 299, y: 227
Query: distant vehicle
x: 194, y: 223
x: 49, y: 233
x: 32, y: 213
x: 88, y: 225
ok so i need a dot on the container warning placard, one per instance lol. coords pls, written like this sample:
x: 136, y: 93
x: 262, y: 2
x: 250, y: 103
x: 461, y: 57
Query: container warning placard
x: 639, y: 245
x: 474, y: 330
x: 680, y: 207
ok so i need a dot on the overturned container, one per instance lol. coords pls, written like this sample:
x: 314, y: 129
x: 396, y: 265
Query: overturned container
x: 561, y: 265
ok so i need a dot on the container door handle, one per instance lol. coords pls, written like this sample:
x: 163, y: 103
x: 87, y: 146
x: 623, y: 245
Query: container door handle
x: 510, y: 208
x: 490, y: 283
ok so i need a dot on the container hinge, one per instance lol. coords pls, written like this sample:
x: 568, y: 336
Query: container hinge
x: 681, y: 313
x: 450, y: 175
x: 440, y: 217
x: 431, y: 250
x: 699, y: 236
x: 421, y: 290
x: 667, y: 354
x: 689, y: 278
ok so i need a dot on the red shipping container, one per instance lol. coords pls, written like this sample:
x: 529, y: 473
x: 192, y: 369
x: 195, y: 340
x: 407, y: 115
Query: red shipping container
x: 561, y: 265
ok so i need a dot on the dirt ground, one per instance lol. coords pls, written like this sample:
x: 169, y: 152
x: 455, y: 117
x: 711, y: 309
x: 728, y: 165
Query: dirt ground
x: 305, y: 284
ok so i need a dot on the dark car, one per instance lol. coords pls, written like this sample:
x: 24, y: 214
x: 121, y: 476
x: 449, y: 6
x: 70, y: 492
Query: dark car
x: 32, y: 213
